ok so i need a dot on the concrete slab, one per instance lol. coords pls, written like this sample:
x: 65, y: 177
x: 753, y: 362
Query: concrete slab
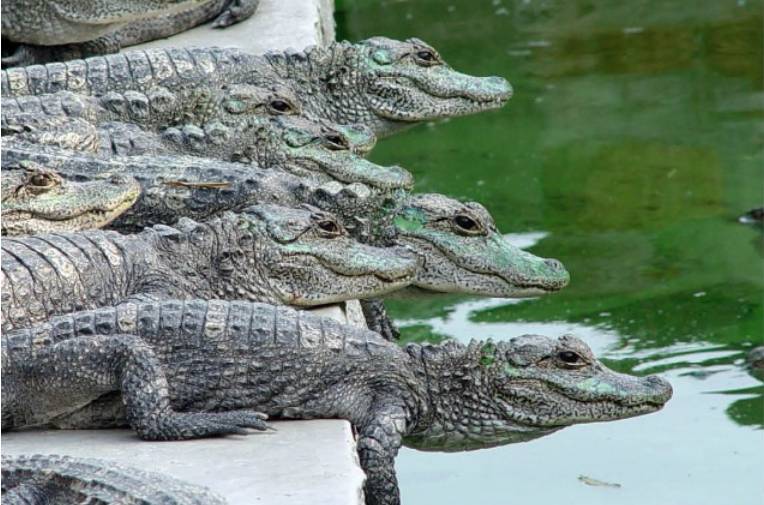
x: 277, y: 25
x: 304, y: 462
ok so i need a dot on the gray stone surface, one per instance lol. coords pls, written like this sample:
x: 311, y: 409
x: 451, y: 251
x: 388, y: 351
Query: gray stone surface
x: 277, y: 24
x: 304, y: 462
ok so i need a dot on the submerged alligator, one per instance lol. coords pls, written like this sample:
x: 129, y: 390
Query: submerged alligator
x: 157, y: 367
x: 265, y: 253
x: 381, y: 83
x: 56, y: 30
x: 36, y: 200
x: 66, y: 480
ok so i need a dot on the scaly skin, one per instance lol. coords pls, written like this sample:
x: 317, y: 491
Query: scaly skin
x: 203, y: 105
x: 381, y: 83
x: 43, y: 31
x: 385, y: 84
x: 464, y: 252
x: 267, y: 253
x: 183, y: 186
x: 37, y: 200
x: 460, y: 248
x: 164, y: 380
x: 246, y: 124
x: 66, y: 480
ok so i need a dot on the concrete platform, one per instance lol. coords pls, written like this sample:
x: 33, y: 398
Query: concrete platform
x: 277, y: 24
x: 304, y: 462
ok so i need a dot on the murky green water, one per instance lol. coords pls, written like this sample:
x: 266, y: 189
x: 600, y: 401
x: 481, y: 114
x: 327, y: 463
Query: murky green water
x: 634, y: 139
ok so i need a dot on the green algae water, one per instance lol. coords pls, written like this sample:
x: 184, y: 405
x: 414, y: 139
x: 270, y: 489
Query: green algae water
x: 632, y: 143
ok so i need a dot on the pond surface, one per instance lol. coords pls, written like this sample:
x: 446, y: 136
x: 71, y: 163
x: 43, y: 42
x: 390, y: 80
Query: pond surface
x: 633, y: 141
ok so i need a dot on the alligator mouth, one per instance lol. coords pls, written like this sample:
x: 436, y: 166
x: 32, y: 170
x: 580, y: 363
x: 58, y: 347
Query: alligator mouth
x: 96, y: 217
x: 458, y: 101
x: 361, y: 285
x: 595, y: 410
x: 515, y: 287
x: 377, y: 176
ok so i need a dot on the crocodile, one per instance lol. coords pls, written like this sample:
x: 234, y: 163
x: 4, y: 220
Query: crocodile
x: 42, y: 30
x: 381, y: 83
x: 180, y: 369
x: 36, y: 200
x: 67, y: 480
x: 296, y: 256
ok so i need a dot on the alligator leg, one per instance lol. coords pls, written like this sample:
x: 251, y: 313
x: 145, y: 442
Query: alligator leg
x: 375, y: 313
x: 378, y: 444
x: 32, y: 492
x: 99, y: 364
x: 235, y: 12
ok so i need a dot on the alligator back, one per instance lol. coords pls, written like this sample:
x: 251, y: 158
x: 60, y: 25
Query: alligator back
x: 139, y: 70
x: 196, y: 324
x: 215, y: 355
x: 57, y: 273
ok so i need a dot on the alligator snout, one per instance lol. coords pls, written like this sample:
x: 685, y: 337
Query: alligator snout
x: 498, y: 88
x: 401, y: 264
x: 554, y: 265
x: 660, y: 390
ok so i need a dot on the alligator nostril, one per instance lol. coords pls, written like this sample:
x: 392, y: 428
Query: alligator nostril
x: 554, y: 264
x: 656, y: 382
x: 501, y: 85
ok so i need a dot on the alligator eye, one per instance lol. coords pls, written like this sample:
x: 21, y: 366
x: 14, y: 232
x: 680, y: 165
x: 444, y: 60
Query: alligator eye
x: 330, y: 228
x: 466, y: 224
x: 280, y: 106
x: 42, y: 181
x: 426, y: 57
x: 570, y: 358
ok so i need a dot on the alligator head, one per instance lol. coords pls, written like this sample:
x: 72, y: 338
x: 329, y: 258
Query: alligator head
x: 386, y: 84
x: 294, y: 256
x: 325, y: 152
x: 405, y: 82
x: 522, y: 389
x: 463, y: 252
x: 36, y: 200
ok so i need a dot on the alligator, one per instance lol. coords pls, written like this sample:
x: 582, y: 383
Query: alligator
x: 66, y: 480
x: 461, y: 249
x: 36, y: 200
x: 184, y: 186
x: 42, y: 30
x: 175, y: 370
x: 381, y: 83
x: 296, y: 256
x: 258, y: 133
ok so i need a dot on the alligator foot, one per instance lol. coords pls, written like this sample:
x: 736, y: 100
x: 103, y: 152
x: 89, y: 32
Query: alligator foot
x: 188, y: 425
x: 235, y: 12
x: 375, y: 313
